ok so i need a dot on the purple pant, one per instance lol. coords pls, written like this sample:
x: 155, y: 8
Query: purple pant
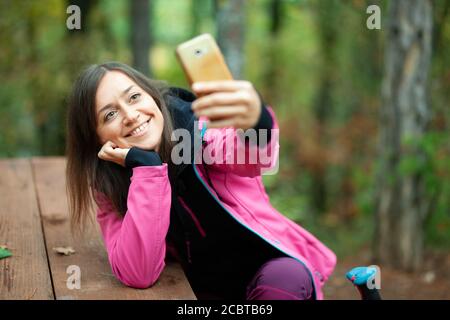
x: 281, y: 279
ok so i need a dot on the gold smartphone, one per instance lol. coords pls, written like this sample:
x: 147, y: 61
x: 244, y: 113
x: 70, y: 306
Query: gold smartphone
x: 202, y: 60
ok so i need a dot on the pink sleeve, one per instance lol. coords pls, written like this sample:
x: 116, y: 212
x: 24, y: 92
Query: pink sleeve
x: 136, y: 243
x: 225, y: 151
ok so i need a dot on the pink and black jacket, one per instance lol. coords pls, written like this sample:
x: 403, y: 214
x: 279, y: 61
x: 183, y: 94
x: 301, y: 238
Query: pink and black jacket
x: 215, y: 219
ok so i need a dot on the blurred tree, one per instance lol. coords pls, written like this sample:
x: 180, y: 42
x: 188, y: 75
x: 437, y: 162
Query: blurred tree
x: 360, y: 60
x: 196, y: 12
x: 202, y: 16
x: 141, y: 39
x: 327, y: 19
x: 275, y: 10
x: 78, y: 52
x: 276, y: 13
x: 402, y: 204
x: 230, y: 17
x: 442, y: 10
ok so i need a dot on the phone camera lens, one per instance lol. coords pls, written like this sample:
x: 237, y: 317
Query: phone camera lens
x: 198, y: 52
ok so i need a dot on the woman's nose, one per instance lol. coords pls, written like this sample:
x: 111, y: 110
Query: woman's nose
x: 130, y: 116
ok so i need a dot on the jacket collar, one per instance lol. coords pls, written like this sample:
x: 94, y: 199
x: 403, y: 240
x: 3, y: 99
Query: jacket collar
x: 179, y: 102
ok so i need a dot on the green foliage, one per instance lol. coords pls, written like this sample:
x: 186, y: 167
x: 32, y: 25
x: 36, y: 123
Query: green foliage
x: 4, y: 253
x: 320, y: 44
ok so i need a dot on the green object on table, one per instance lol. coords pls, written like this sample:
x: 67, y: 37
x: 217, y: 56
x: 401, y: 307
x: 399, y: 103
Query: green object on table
x: 5, y: 253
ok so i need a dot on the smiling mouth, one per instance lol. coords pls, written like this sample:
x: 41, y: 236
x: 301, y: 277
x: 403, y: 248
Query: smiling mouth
x: 139, y: 131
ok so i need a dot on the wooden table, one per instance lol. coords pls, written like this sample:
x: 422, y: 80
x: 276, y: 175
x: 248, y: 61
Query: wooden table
x: 34, y: 220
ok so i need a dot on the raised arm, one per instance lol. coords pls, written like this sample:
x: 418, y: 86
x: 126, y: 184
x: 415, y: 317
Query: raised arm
x: 231, y: 112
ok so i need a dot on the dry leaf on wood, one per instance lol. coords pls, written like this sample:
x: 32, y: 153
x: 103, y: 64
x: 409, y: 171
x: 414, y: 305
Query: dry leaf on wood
x: 67, y: 251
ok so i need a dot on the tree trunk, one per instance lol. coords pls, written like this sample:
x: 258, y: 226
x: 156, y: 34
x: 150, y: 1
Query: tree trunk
x: 230, y: 17
x: 327, y: 13
x: 276, y: 16
x: 275, y: 10
x: 402, y: 204
x: 196, y: 14
x: 140, y: 35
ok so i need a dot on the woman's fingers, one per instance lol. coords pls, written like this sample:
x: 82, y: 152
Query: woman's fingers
x: 105, y: 150
x: 226, y: 85
x: 217, y: 98
x: 116, y: 153
x: 221, y: 112
x: 234, y: 122
x: 222, y: 99
x: 110, y: 152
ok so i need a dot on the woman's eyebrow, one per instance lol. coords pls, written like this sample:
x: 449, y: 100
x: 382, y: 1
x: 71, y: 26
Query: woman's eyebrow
x: 110, y: 104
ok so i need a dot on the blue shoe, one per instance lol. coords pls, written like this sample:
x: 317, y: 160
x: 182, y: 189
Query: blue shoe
x: 361, y: 275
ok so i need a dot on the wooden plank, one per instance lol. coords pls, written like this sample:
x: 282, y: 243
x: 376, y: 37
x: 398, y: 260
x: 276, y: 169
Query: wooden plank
x: 26, y: 274
x: 97, y: 280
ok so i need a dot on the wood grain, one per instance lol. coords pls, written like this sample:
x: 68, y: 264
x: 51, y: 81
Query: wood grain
x: 26, y: 274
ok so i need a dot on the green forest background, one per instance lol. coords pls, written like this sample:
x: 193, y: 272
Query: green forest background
x: 320, y: 68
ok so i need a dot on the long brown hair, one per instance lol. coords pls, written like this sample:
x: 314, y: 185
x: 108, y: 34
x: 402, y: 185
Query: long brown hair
x: 85, y: 172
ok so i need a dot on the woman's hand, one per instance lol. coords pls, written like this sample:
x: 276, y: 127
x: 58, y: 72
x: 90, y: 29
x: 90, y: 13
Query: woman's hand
x: 229, y: 103
x: 111, y: 152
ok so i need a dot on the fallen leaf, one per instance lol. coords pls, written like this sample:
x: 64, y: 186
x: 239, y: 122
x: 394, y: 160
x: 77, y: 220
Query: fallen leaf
x: 67, y: 251
x: 4, y: 253
x: 429, y: 277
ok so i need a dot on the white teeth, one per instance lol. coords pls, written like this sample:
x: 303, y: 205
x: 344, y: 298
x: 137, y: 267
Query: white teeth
x: 140, y: 128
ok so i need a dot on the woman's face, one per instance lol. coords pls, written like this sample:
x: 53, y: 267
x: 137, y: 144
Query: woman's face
x: 127, y: 115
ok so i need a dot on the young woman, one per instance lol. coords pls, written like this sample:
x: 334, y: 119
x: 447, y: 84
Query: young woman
x: 214, y: 217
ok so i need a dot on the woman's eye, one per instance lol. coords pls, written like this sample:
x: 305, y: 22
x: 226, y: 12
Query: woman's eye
x: 135, y: 96
x: 109, y: 115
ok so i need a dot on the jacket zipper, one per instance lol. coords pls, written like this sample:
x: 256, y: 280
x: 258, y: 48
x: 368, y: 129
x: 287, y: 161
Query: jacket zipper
x: 193, y: 217
x: 202, y: 133
x: 248, y: 228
